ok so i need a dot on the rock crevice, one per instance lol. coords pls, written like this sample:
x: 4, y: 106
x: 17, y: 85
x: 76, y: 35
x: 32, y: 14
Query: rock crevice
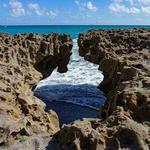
x: 124, y: 58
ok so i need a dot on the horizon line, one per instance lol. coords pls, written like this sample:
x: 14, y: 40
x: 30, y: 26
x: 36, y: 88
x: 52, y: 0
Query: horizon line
x: 78, y: 25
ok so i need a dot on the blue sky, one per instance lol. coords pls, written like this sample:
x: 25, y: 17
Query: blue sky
x: 72, y: 12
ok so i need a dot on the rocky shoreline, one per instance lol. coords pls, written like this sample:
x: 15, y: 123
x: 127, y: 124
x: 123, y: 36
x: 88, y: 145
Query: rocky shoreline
x: 25, y: 59
x: 124, y: 121
x: 124, y: 58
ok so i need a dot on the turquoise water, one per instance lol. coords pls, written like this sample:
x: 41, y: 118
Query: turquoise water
x: 73, y: 30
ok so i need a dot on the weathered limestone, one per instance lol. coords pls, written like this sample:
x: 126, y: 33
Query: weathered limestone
x: 117, y: 132
x: 24, y: 60
x: 124, y: 58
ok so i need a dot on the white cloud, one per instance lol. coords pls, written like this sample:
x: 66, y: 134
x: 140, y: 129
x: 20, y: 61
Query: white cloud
x: 144, y: 2
x: 16, y: 8
x: 87, y: 5
x: 146, y: 10
x: 134, y: 10
x: 52, y: 14
x: 36, y: 8
x: 91, y: 7
x: 42, y: 11
x: 118, y: 6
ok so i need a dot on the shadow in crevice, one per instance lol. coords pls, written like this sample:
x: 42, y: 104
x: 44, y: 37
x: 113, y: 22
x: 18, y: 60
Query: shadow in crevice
x: 71, y: 102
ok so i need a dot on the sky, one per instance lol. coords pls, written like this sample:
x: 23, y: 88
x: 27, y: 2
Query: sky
x: 74, y: 12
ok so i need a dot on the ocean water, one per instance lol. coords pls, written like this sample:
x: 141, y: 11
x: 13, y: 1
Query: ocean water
x: 79, y: 85
x: 73, y: 30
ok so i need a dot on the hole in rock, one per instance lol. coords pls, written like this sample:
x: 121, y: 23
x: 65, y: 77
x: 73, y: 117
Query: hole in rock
x: 73, y: 95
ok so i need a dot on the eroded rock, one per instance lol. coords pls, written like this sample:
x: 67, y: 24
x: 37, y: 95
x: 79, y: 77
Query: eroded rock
x: 124, y: 58
x: 118, y: 131
x: 24, y: 60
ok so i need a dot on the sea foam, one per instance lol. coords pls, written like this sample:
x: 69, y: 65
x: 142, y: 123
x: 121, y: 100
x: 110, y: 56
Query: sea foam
x: 78, y: 85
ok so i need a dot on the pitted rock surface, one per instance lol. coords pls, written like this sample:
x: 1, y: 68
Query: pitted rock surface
x: 117, y: 132
x: 25, y: 59
x: 124, y: 58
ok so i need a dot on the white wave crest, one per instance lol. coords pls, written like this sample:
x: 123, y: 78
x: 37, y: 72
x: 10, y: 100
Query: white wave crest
x: 77, y: 86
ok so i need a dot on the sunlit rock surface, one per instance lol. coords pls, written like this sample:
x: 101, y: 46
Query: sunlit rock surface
x: 24, y: 60
x: 124, y: 58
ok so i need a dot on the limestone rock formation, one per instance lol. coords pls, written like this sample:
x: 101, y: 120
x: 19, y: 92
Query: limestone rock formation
x: 24, y: 60
x: 124, y: 58
x: 117, y: 132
